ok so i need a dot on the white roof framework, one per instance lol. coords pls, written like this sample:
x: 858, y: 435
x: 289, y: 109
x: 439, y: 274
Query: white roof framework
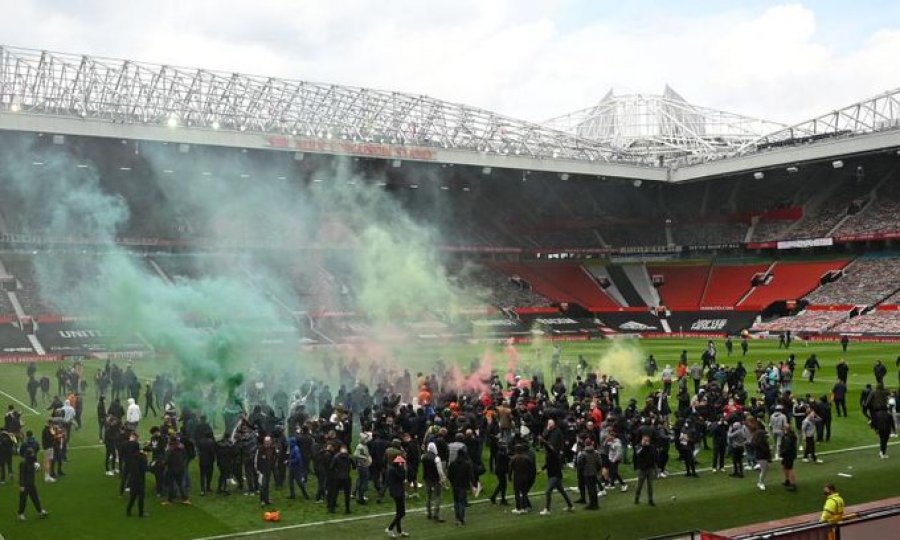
x: 878, y: 113
x: 663, y: 128
x: 136, y: 93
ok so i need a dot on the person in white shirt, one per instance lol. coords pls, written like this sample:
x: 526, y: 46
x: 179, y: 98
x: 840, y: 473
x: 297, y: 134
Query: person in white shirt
x: 132, y: 414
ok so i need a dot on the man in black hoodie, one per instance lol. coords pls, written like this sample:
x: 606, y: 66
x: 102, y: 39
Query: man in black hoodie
x: 339, y: 479
x: 554, y: 467
x: 137, y: 472
x: 522, y: 472
x: 206, y: 451
x: 645, y: 458
x: 461, y: 474
x: 27, y: 489
x: 225, y: 462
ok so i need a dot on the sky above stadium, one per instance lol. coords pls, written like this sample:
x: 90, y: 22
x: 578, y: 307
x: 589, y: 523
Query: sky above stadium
x: 531, y: 59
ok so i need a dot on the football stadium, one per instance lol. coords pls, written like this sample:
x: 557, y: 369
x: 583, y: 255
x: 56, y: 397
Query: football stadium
x: 248, y: 306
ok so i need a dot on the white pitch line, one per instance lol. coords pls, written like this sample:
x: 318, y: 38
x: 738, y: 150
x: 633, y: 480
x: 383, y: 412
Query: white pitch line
x: 19, y: 402
x: 255, y: 532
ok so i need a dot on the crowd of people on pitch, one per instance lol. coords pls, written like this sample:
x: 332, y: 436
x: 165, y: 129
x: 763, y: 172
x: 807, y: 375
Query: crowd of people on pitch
x: 359, y: 446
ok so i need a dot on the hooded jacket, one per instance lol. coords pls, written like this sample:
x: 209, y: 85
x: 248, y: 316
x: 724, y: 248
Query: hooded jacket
x: 133, y: 414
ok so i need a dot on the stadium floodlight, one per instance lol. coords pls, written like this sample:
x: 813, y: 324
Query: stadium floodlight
x: 759, y: 175
x: 396, y: 163
x: 243, y: 128
x: 792, y: 170
x: 414, y: 186
x: 215, y: 124
x: 564, y: 176
x: 837, y: 164
x: 298, y: 156
x: 172, y: 122
x: 637, y: 183
x: 15, y: 107
x: 445, y: 188
x: 486, y: 171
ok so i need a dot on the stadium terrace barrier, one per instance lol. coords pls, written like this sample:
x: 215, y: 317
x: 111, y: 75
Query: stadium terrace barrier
x: 832, y: 307
x: 888, y: 307
x: 861, y: 338
x: 696, y: 335
x: 28, y: 358
x: 536, y: 310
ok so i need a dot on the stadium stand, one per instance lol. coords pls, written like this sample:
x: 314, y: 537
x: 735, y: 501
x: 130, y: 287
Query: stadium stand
x: 881, y: 216
x: 873, y: 322
x: 866, y: 281
x: 729, y: 283
x: 22, y: 268
x: 683, y: 285
x: 504, y: 291
x: 809, y: 321
x: 790, y: 281
x: 636, y: 234
x: 700, y: 234
x: 562, y: 283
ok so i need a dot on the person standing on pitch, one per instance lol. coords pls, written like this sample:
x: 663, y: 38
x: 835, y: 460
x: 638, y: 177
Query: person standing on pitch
x: 645, y: 457
x: 433, y: 474
x: 28, y: 467
x: 760, y: 443
x: 396, y: 484
x: 554, y: 467
x: 788, y: 454
x: 461, y: 473
x: 137, y: 471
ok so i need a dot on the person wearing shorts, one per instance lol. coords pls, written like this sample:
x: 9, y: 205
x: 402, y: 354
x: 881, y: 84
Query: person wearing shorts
x: 788, y: 456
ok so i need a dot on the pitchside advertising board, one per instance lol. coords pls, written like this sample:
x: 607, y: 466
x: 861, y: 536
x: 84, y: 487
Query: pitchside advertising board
x: 718, y: 322
x: 68, y: 338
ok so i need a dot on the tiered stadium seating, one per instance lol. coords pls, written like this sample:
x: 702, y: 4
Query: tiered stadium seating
x: 729, y: 283
x: 790, y: 281
x: 808, y: 321
x: 874, y: 322
x: 502, y: 290
x: 22, y: 268
x: 866, y: 281
x: 562, y: 283
x: 684, y: 285
x: 701, y: 234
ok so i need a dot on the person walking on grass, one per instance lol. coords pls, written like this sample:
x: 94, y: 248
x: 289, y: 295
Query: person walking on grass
x: 590, y: 463
x: 28, y: 468
x: 461, y: 473
x: 788, y: 455
x: 435, y: 478
x: 554, y: 467
x: 137, y: 474
x: 738, y: 437
x: 808, y: 428
x: 396, y: 485
x: 614, y: 454
x: 760, y: 443
x: 645, y: 458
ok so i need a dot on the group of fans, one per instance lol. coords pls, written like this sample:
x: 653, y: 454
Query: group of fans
x: 433, y: 435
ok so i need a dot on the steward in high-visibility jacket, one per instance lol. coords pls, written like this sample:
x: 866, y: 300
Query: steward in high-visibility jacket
x: 833, y: 512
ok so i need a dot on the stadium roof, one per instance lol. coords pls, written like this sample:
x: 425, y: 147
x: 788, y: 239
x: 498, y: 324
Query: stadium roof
x: 647, y: 137
x: 663, y: 127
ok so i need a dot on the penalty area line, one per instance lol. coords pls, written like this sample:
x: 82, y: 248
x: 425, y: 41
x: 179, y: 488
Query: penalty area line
x: 255, y: 532
x: 19, y: 402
